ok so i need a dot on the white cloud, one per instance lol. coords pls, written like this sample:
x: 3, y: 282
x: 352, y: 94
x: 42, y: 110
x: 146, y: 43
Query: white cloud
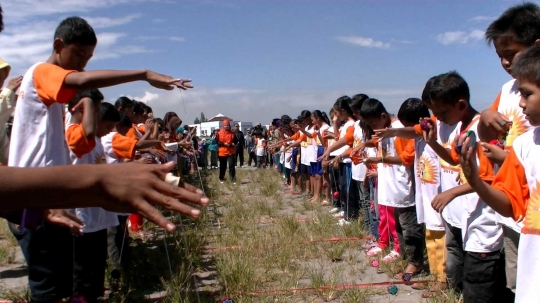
x: 171, y: 38
x: 103, y: 22
x: 363, y: 41
x: 148, y: 97
x: 482, y: 18
x: 460, y: 37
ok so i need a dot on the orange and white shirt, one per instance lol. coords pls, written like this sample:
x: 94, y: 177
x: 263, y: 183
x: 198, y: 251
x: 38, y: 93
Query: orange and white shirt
x: 428, y: 177
x: 306, y: 148
x: 118, y: 147
x: 345, y: 131
x: 83, y: 151
x: 38, y: 135
x: 507, y: 103
x: 519, y: 179
x: 396, y: 187
x: 480, y: 231
x: 358, y: 170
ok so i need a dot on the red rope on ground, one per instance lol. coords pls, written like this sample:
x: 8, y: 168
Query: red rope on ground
x: 337, y: 287
x: 291, y: 243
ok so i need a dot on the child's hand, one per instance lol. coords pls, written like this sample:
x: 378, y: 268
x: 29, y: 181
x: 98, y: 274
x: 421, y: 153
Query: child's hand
x: 63, y: 218
x: 145, y: 160
x: 494, y: 153
x: 385, y: 133
x: 372, y: 173
x: 430, y: 136
x: 441, y: 200
x: 149, y: 124
x: 494, y: 120
x: 157, y: 153
x: 132, y: 188
x: 167, y: 82
x: 467, y: 159
x: 14, y: 83
x: 373, y: 160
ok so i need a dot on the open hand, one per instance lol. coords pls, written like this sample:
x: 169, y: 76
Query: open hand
x: 494, y: 121
x: 14, y: 83
x: 63, y: 218
x: 167, y: 82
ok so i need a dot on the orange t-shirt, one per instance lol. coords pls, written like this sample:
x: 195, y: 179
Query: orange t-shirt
x: 123, y: 147
x: 77, y: 141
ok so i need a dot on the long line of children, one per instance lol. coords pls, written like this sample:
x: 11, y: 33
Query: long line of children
x: 458, y: 183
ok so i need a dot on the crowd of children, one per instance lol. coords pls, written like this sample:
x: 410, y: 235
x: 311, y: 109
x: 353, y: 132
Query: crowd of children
x: 439, y: 177
x: 457, y: 183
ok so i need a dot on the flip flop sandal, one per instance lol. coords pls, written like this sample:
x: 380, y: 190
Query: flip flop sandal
x: 419, y: 286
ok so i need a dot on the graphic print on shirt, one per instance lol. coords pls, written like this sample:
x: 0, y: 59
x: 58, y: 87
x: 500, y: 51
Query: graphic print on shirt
x: 518, y: 127
x: 531, y: 225
x: 426, y: 171
x: 445, y: 166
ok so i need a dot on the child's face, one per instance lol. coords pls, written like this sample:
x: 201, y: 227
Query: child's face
x: 448, y: 113
x: 357, y: 115
x: 105, y: 127
x: 530, y: 100
x: 508, y: 51
x: 377, y: 123
x: 73, y: 56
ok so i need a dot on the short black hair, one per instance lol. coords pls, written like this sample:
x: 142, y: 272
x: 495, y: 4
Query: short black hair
x: 123, y: 102
x: 527, y: 66
x: 372, y: 108
x: 139, y: 108
x: 93, y: 94
x: 1, y: 19
x: 357, y: 101
x: 125, y: 120
x: 285, y: 120
x: 449, y: 88
x: 149, y: 110
x: 427, y: 89
x: 412, y: 110
x: 108, y: 113
x: 75, y: 30
x: 344, y: 103
x: 520, y: 23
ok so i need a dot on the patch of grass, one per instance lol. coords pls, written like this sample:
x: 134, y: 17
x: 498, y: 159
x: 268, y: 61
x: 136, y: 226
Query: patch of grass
x: 16, y: 295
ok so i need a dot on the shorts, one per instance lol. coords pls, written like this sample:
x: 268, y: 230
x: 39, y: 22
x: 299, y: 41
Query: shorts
x: 304, y: 169
x: 316, y: 167
x: 48, y: 251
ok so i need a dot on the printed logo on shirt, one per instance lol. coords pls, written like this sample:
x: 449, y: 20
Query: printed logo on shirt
x: 518, y: 127
x: 445, y: 166
x: 426, y: 171
x: 531, y: 225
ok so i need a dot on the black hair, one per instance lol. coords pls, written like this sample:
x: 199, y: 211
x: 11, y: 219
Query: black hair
x: 344, y: 104
x: 449, y: 88
x: 149, y: 110
x: 357, y: 101
x: 427, y: 89
x: 412, y: 110
x: 372, y: 108
x: 125, y: 121
x: 285, y: 120
x: 305, y: 114
x: 123, y: 102
x: 108, y: 113
x: 321, y: 115
x: 520, y: 23
x: 75, y: 30
x: 93, y: 94
x: 139, y: 108
x: 527, y: 66
x: 1, y: 19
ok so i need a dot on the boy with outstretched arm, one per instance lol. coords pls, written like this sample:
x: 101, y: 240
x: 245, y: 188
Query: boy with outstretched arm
x: 483, y: 272
x: 515, y: 190
x: 517, y: 29
x: 38, y: 140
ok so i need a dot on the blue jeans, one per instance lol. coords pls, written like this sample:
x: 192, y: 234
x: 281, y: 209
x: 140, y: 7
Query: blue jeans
x: 371, y: 222
x: 348, y: 194
x: 373, y: 208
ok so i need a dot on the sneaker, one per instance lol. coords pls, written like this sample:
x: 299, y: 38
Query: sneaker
x: 339, y: 214
x: 221, y: 182
x: 375, y: 251
x: 391, y: 257
x: 343, y: 222
x: 334, y: 210
x: 370, y: 244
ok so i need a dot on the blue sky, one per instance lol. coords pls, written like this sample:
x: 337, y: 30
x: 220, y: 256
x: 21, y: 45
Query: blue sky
x: 256, y: 60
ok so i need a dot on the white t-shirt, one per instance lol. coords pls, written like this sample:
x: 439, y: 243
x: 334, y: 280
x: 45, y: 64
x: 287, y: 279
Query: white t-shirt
x: 480, y: 230
x: 342, y: 132
x: 428, y: 179
x: 509, y: 107
x: 306, y: 150
x: 261, y: 147
x: 526, y: 150
x: 94, y: 218
x: 358, y: 170
x: 395, y: 181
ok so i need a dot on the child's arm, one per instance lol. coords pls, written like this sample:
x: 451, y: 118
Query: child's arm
x: 106, y: 78
x: 7, y: 99
x: 441, y: 200
x: 404, y: 132
x: 509, y: 191
x: 431, y: 139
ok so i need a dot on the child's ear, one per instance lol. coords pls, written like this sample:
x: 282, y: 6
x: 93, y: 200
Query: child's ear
x: 384, y: 116
x: 462, y: 104
x: 58, y: 45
